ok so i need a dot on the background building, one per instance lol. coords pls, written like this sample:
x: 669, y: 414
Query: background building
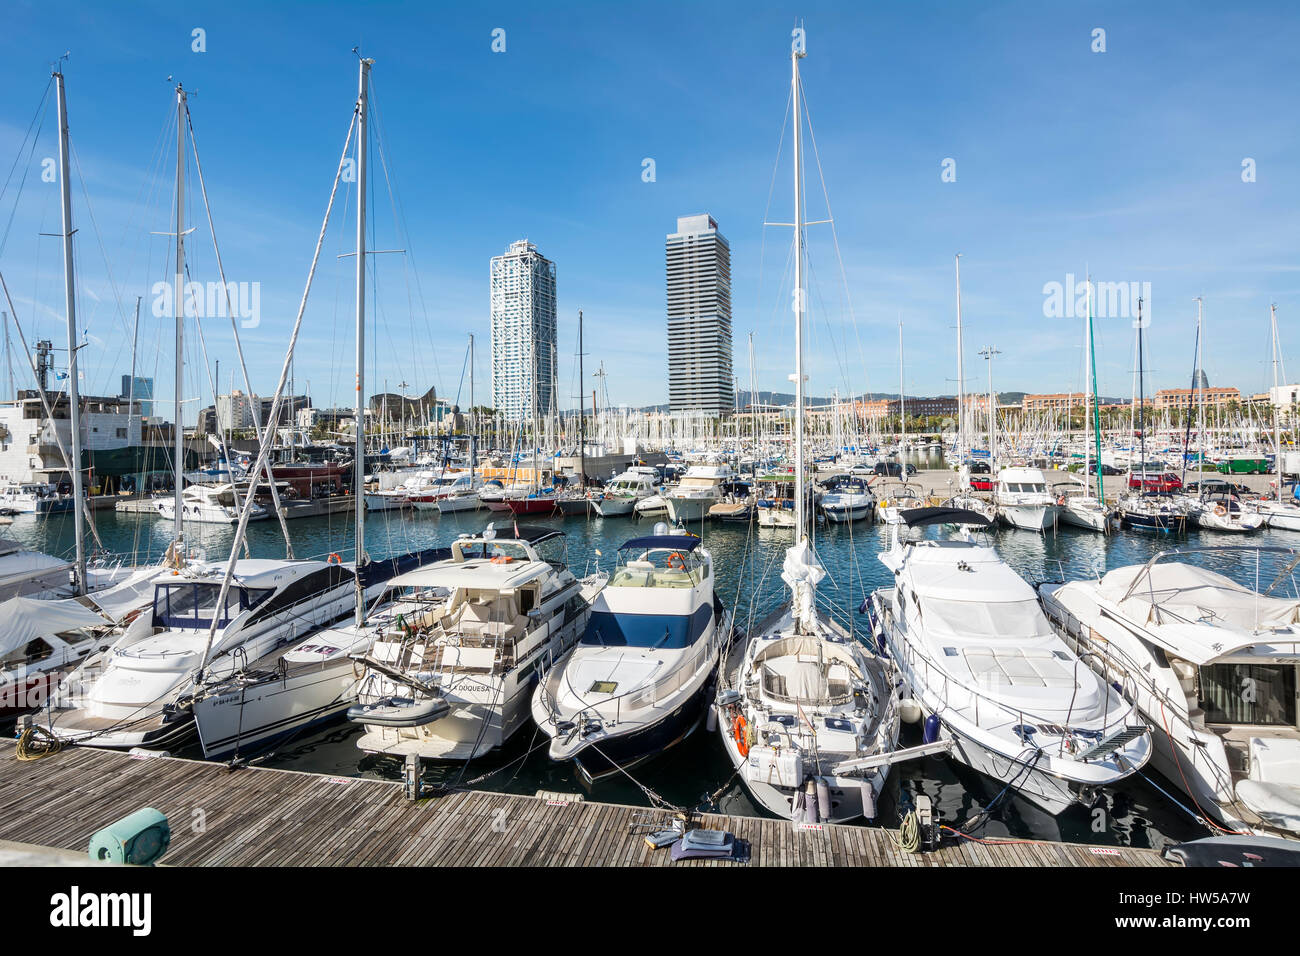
x: 523, y: 331
x: 698, y: 261
x: 234, y: 411
x: 141, y: 392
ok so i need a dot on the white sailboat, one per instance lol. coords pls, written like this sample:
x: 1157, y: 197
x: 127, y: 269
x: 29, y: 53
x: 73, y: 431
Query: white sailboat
x: 807, y: 714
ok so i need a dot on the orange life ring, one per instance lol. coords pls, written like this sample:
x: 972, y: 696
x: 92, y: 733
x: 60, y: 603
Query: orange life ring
x: 1220, y: 510
x: 739, y: 730
x: 502, y: 559
x: 680, y: 562
x: 335, y: 559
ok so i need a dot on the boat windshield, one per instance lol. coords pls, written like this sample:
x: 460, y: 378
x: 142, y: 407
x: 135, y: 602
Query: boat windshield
x: 655, y: 631
x: 190, y: 604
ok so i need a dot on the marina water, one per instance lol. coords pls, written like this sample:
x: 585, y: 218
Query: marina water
x: 748, y: 560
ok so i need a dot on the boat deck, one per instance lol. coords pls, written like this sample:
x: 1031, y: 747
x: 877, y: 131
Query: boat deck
x: 263, y: 817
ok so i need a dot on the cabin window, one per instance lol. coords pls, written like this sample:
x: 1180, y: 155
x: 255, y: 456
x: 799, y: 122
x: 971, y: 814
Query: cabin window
x: 307, y: 587
x: 1249, y: 693
x: 32, y: 652
x: 194, y: 605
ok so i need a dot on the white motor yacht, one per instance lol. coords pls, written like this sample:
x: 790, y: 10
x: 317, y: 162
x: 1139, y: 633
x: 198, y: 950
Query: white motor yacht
x: 452, y: 678
x: 641, y: 676
x: 1214, y: 663
x: 977, y: 654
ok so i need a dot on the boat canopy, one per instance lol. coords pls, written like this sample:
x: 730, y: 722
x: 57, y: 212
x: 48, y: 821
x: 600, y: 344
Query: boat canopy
x: 919, y: 517
x: 27, y: 619
x: 1177, y: 593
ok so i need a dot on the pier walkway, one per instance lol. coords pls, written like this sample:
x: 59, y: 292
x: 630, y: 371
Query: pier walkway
x: 264, y: 817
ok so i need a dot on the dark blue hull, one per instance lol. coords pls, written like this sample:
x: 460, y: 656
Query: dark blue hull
x: 1131, y: 521
x: 626, y: 751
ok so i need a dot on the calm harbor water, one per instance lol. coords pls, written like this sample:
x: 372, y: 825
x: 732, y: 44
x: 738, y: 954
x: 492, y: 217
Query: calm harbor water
x: 748, y: 563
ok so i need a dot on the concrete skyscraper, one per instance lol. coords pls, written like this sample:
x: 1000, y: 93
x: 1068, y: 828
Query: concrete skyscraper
x: 523, y: 332
x: 699, y: 318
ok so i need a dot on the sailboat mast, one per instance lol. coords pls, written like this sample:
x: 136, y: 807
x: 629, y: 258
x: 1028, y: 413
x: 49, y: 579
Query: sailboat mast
x: 359, y: 455
x: 1277, y: 428
x: 473, y: 422
x: 69, y: 288
x: 799, y: 517
x: 582, y: 426
x: 178, y: 302
x: 961, y: 375
x: 1096, y: 408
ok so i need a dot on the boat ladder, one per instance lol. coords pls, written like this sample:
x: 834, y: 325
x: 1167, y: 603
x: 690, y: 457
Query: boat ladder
x: 1108, y: 745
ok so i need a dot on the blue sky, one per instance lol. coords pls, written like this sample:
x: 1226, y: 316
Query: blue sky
x: 1127, y: 163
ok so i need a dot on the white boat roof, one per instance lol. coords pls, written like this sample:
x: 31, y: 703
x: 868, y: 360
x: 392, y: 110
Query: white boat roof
x: 1034, y: 475
x: 477, y: 573
x: 251, y: 572
x: 26, y: 619
x: 961, y: 571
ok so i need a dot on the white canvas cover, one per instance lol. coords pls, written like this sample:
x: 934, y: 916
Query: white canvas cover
x: 25, y: 619
x: 802, y: 572
x: 1172, y: 590
x: 126, y: 596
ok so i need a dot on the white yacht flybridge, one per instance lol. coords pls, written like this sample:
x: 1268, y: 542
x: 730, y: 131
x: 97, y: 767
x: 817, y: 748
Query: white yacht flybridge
x: 977, y: 654
x: 639, y: 679
x: 1215, y: 665
x: 450, y: 676
x: 808, y: 715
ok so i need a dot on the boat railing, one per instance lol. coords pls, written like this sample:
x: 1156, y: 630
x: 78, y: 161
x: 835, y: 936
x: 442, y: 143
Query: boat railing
x: 977, y: 696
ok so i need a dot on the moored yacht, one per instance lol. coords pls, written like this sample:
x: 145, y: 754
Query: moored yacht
x: 207, y: 504
x: 977, y: 654
x: 1022, y: 499
x: 699, y: 489
x: 624, y: 492
x: 1214, y: 664
x: 139, y: 692
x: 451, y: 679
x: 640, y: 678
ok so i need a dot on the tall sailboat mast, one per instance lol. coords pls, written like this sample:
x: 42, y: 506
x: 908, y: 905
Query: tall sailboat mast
x: 961, y: 375
x: 1096, y: 409
x: 69, y: 288
x: 359, y: 455
x: 473, y: 422
x: 178, y: 302
x: 799, y: 516
x: 1277, y: 428
x: 582, y: 426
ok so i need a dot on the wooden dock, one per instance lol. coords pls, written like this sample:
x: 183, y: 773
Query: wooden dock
x: 263, y: 817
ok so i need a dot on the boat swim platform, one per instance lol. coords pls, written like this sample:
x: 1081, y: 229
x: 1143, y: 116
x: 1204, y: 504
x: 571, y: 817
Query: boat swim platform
x: 256, y: 816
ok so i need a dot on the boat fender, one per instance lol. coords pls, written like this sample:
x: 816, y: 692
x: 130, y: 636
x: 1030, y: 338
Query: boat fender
x: 868, y: 800
x: 810, y: 802
x: 910, y: 711
x: 711, y: 720
x: 823, y: 798
x: 931, y: 733
x: 797, y: 806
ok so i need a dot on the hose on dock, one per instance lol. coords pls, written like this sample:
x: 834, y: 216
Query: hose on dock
x: 37, y: 742
x: 909, y: 833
